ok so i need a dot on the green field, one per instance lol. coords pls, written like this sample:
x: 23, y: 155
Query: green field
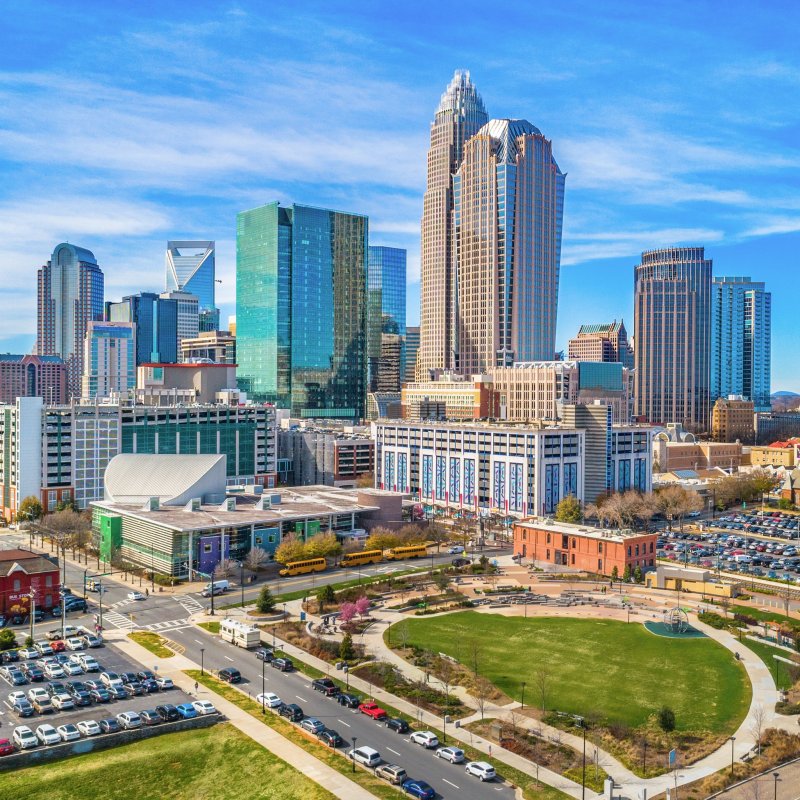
x: 766, y: 652
x: 614, y: 671
x: 218, y: 762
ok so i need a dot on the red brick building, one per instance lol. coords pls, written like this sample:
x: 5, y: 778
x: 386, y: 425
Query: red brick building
x: 21, y: 571
x: 33, y: 376
x: 584, y: 547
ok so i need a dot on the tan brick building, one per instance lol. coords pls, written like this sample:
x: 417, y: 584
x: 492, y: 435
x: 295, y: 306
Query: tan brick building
x: 733, y: 418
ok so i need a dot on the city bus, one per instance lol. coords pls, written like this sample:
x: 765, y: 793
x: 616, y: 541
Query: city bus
x: 408, y: 551
x: 303, y: 567
x: 362, y: 557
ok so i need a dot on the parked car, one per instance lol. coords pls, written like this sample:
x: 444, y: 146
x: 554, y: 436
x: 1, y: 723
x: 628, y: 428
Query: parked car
x: 398, y: 725
x: 330, y: 737
x: 24, y: 738
x: 312, y: 725
x: 392, y: 773
x: 28, y: 652
x: 291, y: 711
x: 90, y: 640
x: 452, y: 754
x: 269, y: 699
x: 63, y: 702
x: 348, y: 700
x: 47, y: 734
x: 372, y: 710
x: 135, y: 596
x: 168, y: 712
x: 325, y: 685
x: 33, y: 673
x: 150, y: 717
x: 100, y: 695
x: 424, y: 739
x: 117, y: 692
x: 89, y: 727
x: 109, y: 725
x: 9, y: 656
x: 186, y: 710
x: 6, y: 748
x: 165, y: 683
x: 265, y: 654
x: 129, y: 720
x: 418, y: 788
x: 74, y: 643
x: 367, y: 756
x: 230, y: 675
x: 68, y: 732
x: 16, y: 677
x: 22, y: 707
x: 283, y: 664
x: 203, y: 707
x: 481, y: 770
x: 109, y: 679
x: 42, y: 705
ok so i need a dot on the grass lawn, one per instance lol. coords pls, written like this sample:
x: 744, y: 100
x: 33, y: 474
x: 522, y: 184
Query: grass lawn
x: 613, y: 670
x: 766, y: 652
x: 152, y: 642
x: 765, y: 616
x: 211, y: 627
x: 218, y: 763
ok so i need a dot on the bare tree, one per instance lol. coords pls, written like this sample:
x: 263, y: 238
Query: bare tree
x: 256, y: 558
x: 225, y: 568
x: 403, y: 633
x: 475, y: 651
x: 542, y: 680
x: 757, y: 725
x: 482, y: 691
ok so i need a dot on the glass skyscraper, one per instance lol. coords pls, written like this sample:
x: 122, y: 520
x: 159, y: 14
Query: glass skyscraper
x: 386, y: 316
x: 741, y: 322
x: 156, y: 321
x: 70, y: 296
x: 190, y: 268
x: 301, y: 309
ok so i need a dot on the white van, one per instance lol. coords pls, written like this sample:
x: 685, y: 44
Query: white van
x: 366, y: 756
x: 742, y: 559
x: 216, y: 587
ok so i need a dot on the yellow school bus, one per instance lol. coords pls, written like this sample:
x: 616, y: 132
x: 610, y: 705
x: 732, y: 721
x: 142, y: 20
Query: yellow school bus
x: 363, y: 557
x: 408, y: 551
x: 304, y: 566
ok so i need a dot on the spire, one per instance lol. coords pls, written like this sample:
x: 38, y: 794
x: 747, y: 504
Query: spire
x: 461, y: 96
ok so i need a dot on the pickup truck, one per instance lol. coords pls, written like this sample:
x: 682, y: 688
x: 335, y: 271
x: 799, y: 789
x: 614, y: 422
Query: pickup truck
x: 326, y: 686
x: 69, y: 630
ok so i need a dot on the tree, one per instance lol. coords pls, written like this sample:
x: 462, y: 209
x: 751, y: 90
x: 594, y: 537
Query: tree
x: 411, y: 534
x: 290, y: 549
x: 265, y: 602
x: 8, y: 639
x: 30, y: 509
x: 542, y: 679
x: 225, y: 568
x: 365, y: 481
x: 626, y: 575
x: 403, y: 633
x: 438, y: 533
x: 637, y: 574
x: 322, y: 545
x: 569, y: 510
x: 615, y: 574
x: 757, y: 728
x: 346, y: 650
x: 441, y: 580
x: 325, y: 595
x: 483, y: 691
x: 346, y: 612
x: 362, y: 605
x: 256, y: 558
x: 666, y: 719
x: 382, y: 539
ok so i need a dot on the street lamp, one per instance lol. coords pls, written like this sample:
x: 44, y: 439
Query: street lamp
x: 583, y: 779
x: 202, y: 661
x: 32, y: 598
x: 263, y: 687
x: 732, y: 740
x: 241, y: 579
x: 776, y: 778
x: 522, y: 703
x: 355, y: 739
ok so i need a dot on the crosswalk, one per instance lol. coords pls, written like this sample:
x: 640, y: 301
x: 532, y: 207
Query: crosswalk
x: 118, y: 620
x: 190, y: 604
x: 169, y: 625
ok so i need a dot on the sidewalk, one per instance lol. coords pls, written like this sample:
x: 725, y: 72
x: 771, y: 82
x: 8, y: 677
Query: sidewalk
x: 298, y: 758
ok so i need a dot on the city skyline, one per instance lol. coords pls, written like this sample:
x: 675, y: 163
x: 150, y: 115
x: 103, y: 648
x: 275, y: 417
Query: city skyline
x: 640, y: 176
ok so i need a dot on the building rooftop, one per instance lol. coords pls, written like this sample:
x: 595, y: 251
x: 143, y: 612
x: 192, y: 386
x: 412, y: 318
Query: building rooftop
x: 589, y: 531
x: 25, y: 560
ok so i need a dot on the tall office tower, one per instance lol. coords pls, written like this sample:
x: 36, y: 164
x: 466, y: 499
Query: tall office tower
x: 459, y: 116
x: 386, y: 317
x: 109, y: 360
x: 33, y: 376
x: 301, y: 309
x: 190, y: 268
x: 156, y: 321
x: 672, y: 324
x: 411, y: 348
x: 605, y: 342
x: 70, y: 295
x: 508, y: 206
x: 741, y: 322
x: 188, y: 314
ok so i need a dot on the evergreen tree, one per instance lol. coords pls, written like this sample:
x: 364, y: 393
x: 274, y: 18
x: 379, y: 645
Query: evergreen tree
x: 265, y: 602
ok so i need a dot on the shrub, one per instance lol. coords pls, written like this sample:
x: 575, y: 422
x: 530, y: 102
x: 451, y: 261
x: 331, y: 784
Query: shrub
x: 784, y: 707
x: 666, y: 719
x: 265, y: 602
x: 8, y: 639
x: 346, y: 652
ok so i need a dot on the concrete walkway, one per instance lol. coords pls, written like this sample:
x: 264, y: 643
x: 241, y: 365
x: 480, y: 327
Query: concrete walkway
x: 174, y: 667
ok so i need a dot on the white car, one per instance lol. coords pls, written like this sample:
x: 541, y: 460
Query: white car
x: 109, y: 679
x: 135, y: 596
x: 70, y: 630
x: 54, y: 670
x: 270, y: 700
x: 72, y: 669
x: 37, y: 693
x: 455, y: 549
x: 481, y: 770
x: 28, y: 652
x: 424, y: 738
x: 452, y: 754
x: 63, y: 701
x: 47, y: 734
x: 165, y: 683
x: 203, y: 707
x: 68, y: 732
x: 90, y: 664
x: 74, y: 643
x: 14, y: 696
x: 24, y: 737
x: 88, y: 727
x: 129, y: 720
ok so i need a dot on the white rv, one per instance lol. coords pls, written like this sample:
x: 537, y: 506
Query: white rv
x: 239, y: 633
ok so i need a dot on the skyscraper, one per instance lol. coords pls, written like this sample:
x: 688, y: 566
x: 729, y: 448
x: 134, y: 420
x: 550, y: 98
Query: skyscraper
x: 190, y: 268
x: 605, y: 342
x: 672, y: 324
x: 70, y: 295
x: 386, y: 317
x: 156, y: 321
x: 301, y: 309
x: 741, y: 321
x: 188, y: 314
x: 109, y: 361
x: 412, y: 347
x: 459, y: 116
x: 508, y: 197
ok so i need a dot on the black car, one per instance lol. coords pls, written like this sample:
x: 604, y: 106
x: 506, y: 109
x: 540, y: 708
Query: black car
x: 56, y: 687
x: 145, y: 675
x: 348, y: 700
x: 128, y: 677
x: 33, y: 673
x: 461, y: 562
x: 117, y: 693
x: 398, y: 725
x: 326, y: 686
x: 330, y: 738
x: 80, y: 697
x: 265, y: 654
x: 168, y: 712
x: 77, y: 604
x: 150, y: 685
x: 23, y: 708
x: 150, y: 717
x: 283, y: 664
x: 100, y: 695
x: 135, y: 689
x: 109, y: 725
x: 291, y: 711
x: 7, y: 656
x: 230, y: 675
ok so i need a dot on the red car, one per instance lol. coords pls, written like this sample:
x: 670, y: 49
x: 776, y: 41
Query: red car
x: 373, y: 710
x: 58, y: 646
x: 6, y: 748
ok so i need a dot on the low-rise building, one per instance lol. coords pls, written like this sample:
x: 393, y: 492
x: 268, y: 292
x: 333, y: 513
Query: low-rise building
x: 218, y: 347
x: 774, y: 425
x: 450, y: 396
x: 191, y: 383
x: 777, y: 454
x: 32, y: 376
x: 732, y: 419
x: 673, y: 578
x: 669, y: 456
x: 27, y: 578
x: 583, y: 547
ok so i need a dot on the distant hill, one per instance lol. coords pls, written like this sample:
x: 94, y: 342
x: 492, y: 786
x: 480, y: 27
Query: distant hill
x: 785, y: 394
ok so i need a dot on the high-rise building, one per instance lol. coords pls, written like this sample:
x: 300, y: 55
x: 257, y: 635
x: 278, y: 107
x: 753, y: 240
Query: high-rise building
x: 301, y: 309
x: 672, y: 324
x: 605, y: 342
x: 109, y: 360
x: 412, y: 348
x: 188, y: 314
x: 732, y: 419
x: 33, y: 376
x: 190, y: 268
x: 741, y: 320
x: 508, y: 206
x: 70, y: 295
x: 386, y: 317
x: 216, y: 346
x: 156, y: 321
x: 459, y: 115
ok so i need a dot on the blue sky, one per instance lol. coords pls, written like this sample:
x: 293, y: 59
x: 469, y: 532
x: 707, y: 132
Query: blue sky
x: 123, y: 125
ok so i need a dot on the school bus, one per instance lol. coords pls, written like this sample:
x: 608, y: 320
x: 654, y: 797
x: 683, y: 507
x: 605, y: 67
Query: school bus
x: 304, y: 566
x: 363, y: 557
x: 409, y: 551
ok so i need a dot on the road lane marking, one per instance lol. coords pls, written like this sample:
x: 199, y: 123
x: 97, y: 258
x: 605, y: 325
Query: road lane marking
x: 346, y: 724
x: 301, y: 699
x: 229, y: 658
x: 398, y: 754
x: 450, y: 782
x: 198, y: 641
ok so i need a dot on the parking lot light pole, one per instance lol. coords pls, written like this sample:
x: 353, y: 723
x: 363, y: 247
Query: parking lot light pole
x: 733, y: 739
x: 583, y: 779
x: 355, y: 739
x: 776, y: 778
x: 241, y: 579
x: 263, y: 688
x: 522, y: 702
x: 63, y: 610
x: 202, y: 661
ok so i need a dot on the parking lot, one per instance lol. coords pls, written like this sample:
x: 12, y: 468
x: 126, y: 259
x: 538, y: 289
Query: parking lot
x: 110, y: 659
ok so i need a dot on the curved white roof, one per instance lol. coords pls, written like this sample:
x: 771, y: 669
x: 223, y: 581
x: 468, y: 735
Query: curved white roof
x: 133, y: 478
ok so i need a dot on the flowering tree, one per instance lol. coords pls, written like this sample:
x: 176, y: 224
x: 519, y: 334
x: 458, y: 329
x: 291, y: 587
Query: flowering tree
x: 362, y: 605
x: 346, y: 612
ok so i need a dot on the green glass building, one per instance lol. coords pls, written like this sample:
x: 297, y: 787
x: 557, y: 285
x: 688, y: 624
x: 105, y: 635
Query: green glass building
x: 301, y: 309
